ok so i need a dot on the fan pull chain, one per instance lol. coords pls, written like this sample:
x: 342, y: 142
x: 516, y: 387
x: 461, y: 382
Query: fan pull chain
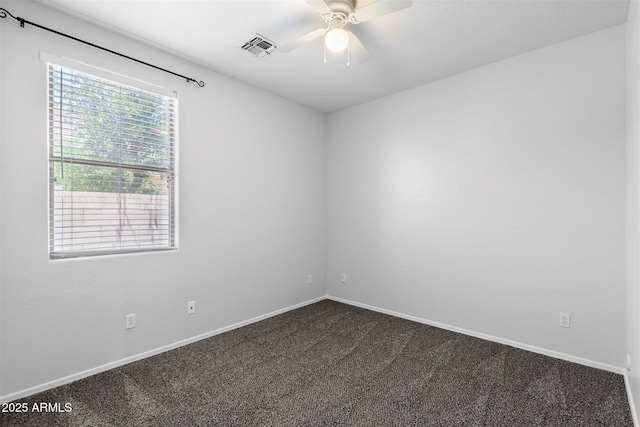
x: 325, y: 52
x: 348, y: 56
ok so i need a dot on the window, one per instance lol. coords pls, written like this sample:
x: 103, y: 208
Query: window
x: 112, y: 151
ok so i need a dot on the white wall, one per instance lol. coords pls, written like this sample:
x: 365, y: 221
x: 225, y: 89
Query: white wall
x: 492, y: 200
x: 252, y: 215
x: 633, y: 200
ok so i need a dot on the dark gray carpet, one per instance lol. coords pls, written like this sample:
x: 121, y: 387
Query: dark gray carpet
x: 330, y: 364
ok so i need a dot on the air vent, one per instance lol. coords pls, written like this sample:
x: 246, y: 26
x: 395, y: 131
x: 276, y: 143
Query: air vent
x: 260, y: 46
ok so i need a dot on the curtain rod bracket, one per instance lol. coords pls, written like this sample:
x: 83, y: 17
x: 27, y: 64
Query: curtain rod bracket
x: 4, y: 13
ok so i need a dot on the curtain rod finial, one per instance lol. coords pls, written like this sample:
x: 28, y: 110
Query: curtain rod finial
x: 4, y: 13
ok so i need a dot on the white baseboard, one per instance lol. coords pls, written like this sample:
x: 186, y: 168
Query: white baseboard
x: 532, y: 348
x: 632, y: 405
x: 87, y: 373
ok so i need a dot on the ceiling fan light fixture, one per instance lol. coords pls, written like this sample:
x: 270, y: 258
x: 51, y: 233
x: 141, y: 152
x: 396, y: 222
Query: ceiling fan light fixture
x: 336, y: 39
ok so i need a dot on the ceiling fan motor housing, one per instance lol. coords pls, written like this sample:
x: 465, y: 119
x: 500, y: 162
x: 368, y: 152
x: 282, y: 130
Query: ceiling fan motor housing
x: 342, y: 11
x: 344, y: 7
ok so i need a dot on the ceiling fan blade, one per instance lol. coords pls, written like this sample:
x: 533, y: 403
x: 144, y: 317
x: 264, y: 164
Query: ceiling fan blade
x: 319, y: 6
x: 357, y: 49
x: 302, y: 40
x: 379, y: 8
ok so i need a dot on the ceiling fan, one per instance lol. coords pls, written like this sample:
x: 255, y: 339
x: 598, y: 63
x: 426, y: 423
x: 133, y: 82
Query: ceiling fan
x: 337, y: 14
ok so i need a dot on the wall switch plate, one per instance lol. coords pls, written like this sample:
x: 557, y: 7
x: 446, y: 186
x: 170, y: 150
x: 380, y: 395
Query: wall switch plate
x: 309, y: 279
x: 191, y: 307
x: 343, y: 278
x: 130, y: 321
x: 565, y: 320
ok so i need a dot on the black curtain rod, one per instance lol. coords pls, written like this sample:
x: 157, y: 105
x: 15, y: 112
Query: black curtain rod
x: 4, y: 12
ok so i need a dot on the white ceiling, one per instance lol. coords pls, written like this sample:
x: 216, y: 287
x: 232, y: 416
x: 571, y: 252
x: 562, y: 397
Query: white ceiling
x: 431, y: 40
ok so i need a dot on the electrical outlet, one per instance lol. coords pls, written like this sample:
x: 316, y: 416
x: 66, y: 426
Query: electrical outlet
x: 309, y: 279
x: 565, y: 320
x: 343, y: 278
x: 130, y: 321
x: 191, y: 307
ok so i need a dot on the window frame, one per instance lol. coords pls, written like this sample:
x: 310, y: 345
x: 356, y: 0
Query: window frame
x: 171, y: 171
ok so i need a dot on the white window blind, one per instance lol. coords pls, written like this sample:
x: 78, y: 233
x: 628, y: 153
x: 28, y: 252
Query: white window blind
x: 112, y: 151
